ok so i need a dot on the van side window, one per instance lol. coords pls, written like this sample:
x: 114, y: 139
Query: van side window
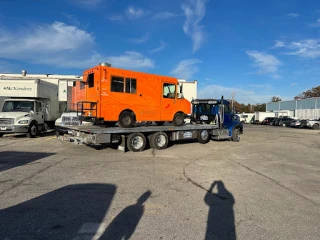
x: 169, y: 90
x: 117, y: 84
x: 90, y: 80
x: 38, y: 106
x: 82, y: 85
x: 131, y: 85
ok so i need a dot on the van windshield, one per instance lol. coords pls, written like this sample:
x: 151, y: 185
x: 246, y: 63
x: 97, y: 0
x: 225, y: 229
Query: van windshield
x: 18, y: 106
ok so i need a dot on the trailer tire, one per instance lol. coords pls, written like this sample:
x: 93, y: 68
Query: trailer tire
x: 32, y: 131
x: 178, y: 119
x: 126, y: 119
x: 203, y: 136
x: 136, y: 142
x: 315, y: 126
x: 159, y: 140
x: 236, y: 135
x: 160, y: 123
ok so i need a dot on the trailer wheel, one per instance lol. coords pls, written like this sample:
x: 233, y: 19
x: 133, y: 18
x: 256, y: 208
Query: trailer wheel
x: 159, y: 140
x: 33, y: 130
x: 126, y: 119
x: 203, y: 136
x: 136, y: 142
x: 160, y: 123
x: 236, y: 135
x: 178, y: 119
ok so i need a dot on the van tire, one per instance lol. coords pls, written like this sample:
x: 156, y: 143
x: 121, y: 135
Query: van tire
x: 315, y: 126
x: 160, y: 123
x: 235, y: 135
x: 136, y: 142
x: 178, y: 119
x: 203, y: 136
x: 159, y: 140
x: 32, y: 131
x: 126, y: 119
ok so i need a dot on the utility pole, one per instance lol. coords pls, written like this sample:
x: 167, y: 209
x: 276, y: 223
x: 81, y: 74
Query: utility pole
x: 232, y: 94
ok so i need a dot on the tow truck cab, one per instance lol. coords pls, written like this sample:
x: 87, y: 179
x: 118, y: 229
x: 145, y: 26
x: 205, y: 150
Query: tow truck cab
x: 215, y: 111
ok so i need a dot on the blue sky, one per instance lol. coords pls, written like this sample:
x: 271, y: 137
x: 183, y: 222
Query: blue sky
x: 257, y: 49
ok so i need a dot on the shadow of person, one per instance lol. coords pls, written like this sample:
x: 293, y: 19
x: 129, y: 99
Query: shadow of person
x: 125, y: 223
x: 67, y: 212
x: 220, y: 224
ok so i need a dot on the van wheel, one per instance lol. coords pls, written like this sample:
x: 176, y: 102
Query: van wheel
x: 203, y: 136
x: 236, y: 135
x: 126, y: 119
x: 160, y: 123
x: 159, y: 140
x: 33, y: 131
x: 178, y: 119
x: 136, y: 142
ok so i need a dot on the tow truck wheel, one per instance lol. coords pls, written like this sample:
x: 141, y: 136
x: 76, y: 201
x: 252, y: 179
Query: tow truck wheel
x: 126, y: 119
x: 33, y: 131
x: 203, y: 136
x: 236, y: 135
x: 159, y: 140
x: 178, y: 119
x: 160, y: 123
x: 136, y: 142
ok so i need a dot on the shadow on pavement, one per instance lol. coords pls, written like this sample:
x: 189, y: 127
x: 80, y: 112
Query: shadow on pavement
x: 12, y: 159
x: 71, y: 212
x: 124, y: 225
x: 221, y: 222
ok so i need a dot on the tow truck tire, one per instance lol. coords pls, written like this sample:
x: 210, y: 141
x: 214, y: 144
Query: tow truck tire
x: 126, y: 119
x: 178, y: 119
x: 159, y: 140
x: 32, y: 131
x: 136, y: 142
x: 236, y: 135
x: 160, y: 123
x: 203, y: 136
x: 315, y: 126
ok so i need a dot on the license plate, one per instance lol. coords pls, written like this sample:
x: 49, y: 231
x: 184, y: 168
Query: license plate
x: 3, y: 128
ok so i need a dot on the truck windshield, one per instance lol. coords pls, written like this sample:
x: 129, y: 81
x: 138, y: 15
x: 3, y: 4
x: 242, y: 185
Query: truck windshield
x: 203, y: 108
x: 18, y: 106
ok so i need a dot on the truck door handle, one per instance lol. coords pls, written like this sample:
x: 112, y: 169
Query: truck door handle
x: 140, y: 95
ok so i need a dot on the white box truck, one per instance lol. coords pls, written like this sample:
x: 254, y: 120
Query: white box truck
x: 32, y: 104
x: 260, y: 116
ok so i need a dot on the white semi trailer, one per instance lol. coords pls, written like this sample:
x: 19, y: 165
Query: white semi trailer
x: 33, y: 103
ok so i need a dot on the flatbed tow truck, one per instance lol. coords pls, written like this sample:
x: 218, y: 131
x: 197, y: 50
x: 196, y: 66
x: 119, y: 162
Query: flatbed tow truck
x: 223, y: 125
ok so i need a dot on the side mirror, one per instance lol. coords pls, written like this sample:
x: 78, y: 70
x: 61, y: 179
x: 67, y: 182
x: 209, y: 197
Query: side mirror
x: 31, y: 112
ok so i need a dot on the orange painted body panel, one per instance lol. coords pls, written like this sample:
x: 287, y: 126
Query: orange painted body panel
x: 147, y: 103
x: 78, y: 95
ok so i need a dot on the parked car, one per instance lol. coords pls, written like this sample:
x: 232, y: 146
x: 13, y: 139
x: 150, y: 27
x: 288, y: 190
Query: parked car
x: 286, y: 121
x: 314, y: 124
x: 295, y: 123
x: 267, y: 121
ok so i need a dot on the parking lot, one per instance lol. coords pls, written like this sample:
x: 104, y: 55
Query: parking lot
x: 264, y: 187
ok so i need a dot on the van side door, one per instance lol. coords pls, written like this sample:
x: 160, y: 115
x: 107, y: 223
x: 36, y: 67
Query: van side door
x: 39, y: 113
x: 168, y: 101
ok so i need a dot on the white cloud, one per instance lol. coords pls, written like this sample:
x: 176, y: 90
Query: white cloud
x: 260, y: 86
x: 160, y: 48
x: 241, y: 95
x: 195, y: 12
x: 186, y: 69
x: 293, y: 15
x: 135, y: 12
x: 165, y: 15
x: 265, y: 63
x: 142, y: 39
x: 116, y: 18
x: 293, y: 84
x: 131, y: 60
x: 278, y: 44
x: 309, y: 48
x: 316, y: 24
x: 61, y: 45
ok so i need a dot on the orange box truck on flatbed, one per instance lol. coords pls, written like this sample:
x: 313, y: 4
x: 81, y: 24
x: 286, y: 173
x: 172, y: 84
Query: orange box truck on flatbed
x: 110, y: 95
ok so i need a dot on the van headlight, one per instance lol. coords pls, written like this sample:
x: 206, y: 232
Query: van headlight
x: 23, y: 122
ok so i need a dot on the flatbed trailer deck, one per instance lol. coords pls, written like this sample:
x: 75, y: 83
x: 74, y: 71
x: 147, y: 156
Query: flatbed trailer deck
x: 136, y: 138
